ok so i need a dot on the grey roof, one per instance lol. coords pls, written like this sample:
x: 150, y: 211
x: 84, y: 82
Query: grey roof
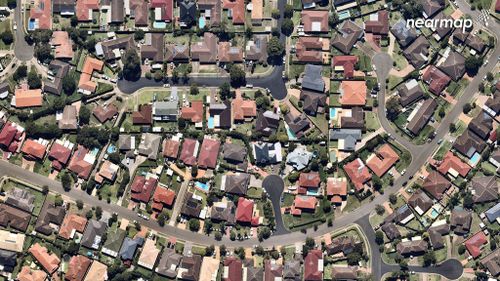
x: 417, y: 53
x: 255, y: 273
x: 355, y: 121
x: 298, y: 124
x: 161, y: 108
x: 63, y: 6
x: 493, y: 104
x: 267, y: 122
x: 237, y: 183
x: 187, y: 11
x: 169, y: 263
x: 152, y: 49
x: 403, y: 33
x: 256, y: 49
x: 476, y: 43
x: 149, y: 145
x: 223, y: 110
x: 234, y: 152
x: 264, y: 153
x: 218, y: 212
x: 422, y: 116
x: 460, y: 221
x: 69, y: 119
x: 125, y: 142
x: 93, y: 234
x: 391, y: 230
x: 292, y: 270
x: 60, y: 70
x: 299, y: 158
x: 485, y: 189
x: 8, y: 260
x: 436, y: 235
x: 410, y: 92
x: 50, y: 215
x: 493, y: 213
x: 4, y: 87
x: 350, y: 137
x: 117, y: 11
x: 454, y: 66
x: 21, y: 199
x: 113, y: 242
x: 313, y: 102
x: 420, y: 201
x: 129, y: 247
x: 313, y: 80
x: 431, y: 7
x: 492, y: 262
x: 120, y: 43
x: 482, y: 124
x: 192, y: 207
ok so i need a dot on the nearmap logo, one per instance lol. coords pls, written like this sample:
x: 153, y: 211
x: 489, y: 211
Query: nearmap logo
x: 440, y: 23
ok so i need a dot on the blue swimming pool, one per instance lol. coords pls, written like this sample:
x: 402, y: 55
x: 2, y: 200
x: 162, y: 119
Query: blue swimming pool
x: 312, y: 192
x: 291, y: 135
x: 111, y: 149
x: 333, y: 113
x: 210, y: 122
x: 202, y: 22
x: 344, y: 15
x: 160, y: 24
x: 475, y: 159
x: 31, y: 25
x: 434, y: 213
x: 202, y: 186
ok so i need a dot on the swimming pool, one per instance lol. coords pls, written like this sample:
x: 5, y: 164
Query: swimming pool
x: 291, y: 135
x: 344, y: 15
x: 210, y: 122
x: 31, y: 25
x: 111, y: 149
x: 202, y: 186
x: 475, y: 159
x: 312, y: 192
x: 160, y: 24
x: 333, y: 113
x: 202, y: 22
x: 434, y: 213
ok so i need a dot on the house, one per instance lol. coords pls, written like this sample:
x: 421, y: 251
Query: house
x: 401, y: 215
x: 112, y: 50
x: 309, y: 180
x: 442, y: 30
x: 171, y: 148
x: 236, y: 183
x: 152, y: 49
x: 391, y: 231
x: 243, y: 110
x: 163, y: 10
x: 254, y: 273
x: 149, y: 254
x: 142, y: 188
x: 86, y: 85
x: 113, y: 242
x: 24, y: 98
x: 431, y: 7
x: 187, y: 13
x: 233, y: 269
x: 85, y: 9
x: 209, y: 152
x: 165, y: 110
x: 436, y: 185
x: 169, y: 263
x: 177, y: 52
x: 460, y: 221
x: 345, y: 64
x: 353, y: 93
x: 303, y: 203
x: 469, y: 143
x: 417, y: 52
x: 11, y: 241
x: 272, y: 271
x: 8, y: 261
x: 228, y: 53
x: 423, y: 113
x: 346, y: 138
x: 21, y: 199
x: 482, y: 125
x: 420, y: 202
x: 209, y: 268
x: 299, y: 158
x: 108, y: 171
x: 412, y: 247
x: 162, y: 197
x: 126, y: 143
x: 11, y: 136
x: 267, y: 122
x: 349, y: 33
x: 495, y: 159
x: 139, y: 11
x: 342, y: 244
x: 310, y: 49
x: 192, y: 207
x: 312, y: 79
x: 194, y: 113
x: 223, y: 212
x: 436, y: 79
x: 410, y: 92
x: 403, y: 33
x: 476, y: 43
x: 34, y: 150
x: 378, y: 24
x: 453, y: 65
x: 82, y: 162
x: 492, y: 105
x: 336, y: 190
x: 459, y: 36
x: 206, y: 50
x: 28, y: 274
x: 257, y: 13
x: 267, y: 153
x: 493, y: 213
x: 235, y: 154
x: 358, y: 173
x: 94, y: 232
x: 315, y: 21
x: 475, y: 243
x: 105, y: 113
x: 50, y: 218
x: 61, y: 42
x: 484, y: 189
x: 235, y: 10
x: 244, y: 210
x: 298, y: 124
x: 129, y: 248
x: 97, y: 272
x: 256, y: 48
x: 4, y: 90
x: 344, y: 273
x: 220, y: 113
x: 14, y: 218
x: 313, y: 265
x: 354, y: 120
x: 313, y: 102
x: 382, y: 160
x: 492, y: 261
x: 69, y: 118
x: 436, y: 234
x: 60, y: 70
x: 41, y: 15
x: 189, y: 268
x: 49, y: 261
x: 63, y: 7
x: 78, y: 266
x: 189, y: 151
x: 452, y: 165
x: 143, y: 116
x: 117, y: 11
x: 72, y: 224
x: 149, y: 145
x: 292, y: 270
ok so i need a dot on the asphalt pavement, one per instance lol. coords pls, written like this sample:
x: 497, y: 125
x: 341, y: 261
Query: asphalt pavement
x: 274, y: 187
x: 22, y: 49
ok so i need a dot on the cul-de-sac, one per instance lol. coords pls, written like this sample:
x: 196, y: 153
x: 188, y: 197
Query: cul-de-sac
x: 249, y: 140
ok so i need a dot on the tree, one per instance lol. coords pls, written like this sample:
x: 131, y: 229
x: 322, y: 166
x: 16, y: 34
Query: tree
x: 69, y: 84
x: 225, y: 91
x: 377, y: 183
x: 237, y: 76
x: 379, y: 209
x: 7, y: 37
x: 275, y: 49
x: 468, y: 201
x: 194, y: 171
x: 11, y: 4
x: 288, y: 13
x: 175, y: 75
x: 248, y: 32
x: 441, y: 112
x: 287, y: 27
x: 461, y: 249
x: 193, y: 89
x: 467, y: 108
x: 158, y: 76
x: 58, y: 201
x: 480, y: 87
x: 43, y: 52
x: 98, y: 212
x: 453, y: 127
x: 393, y: 199
x: 74, y: 20
x: 66, y: 181
x: 139, y: 35
x: 489, y: 76
x: 379, y: 237
x: 114, y: 158
x: 194, y: 225
x: 20, y: 72
x: 45, y: 189
x: 472, y: 64
x: 275, y: 13
x: 393, y: 108
x: 131, y: 65
x: 79, y: 204
x: 84, y: 115
x: 353, y: 258
x: 429, y: 258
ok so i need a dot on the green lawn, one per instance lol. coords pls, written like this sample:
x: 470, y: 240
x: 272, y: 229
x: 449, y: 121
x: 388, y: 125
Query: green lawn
x: 4, y: 26
x: 371, y: 121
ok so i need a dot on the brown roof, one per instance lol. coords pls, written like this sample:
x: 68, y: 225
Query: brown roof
x: 177, y: 52
x: 436, y: 184
x: 69, y: 120
x: 315, y: 21
x: 228, y: 53
x: 206, y: 50
x: 72, y: 223
x: 78, y: 266
x: 237, y: 8
x: 450, y: 161
x: 171, y: 148
x: 454, y: 66
x: 309, y: 180
x: 436, y: 79
x: 141, y: 12
x: 492, y: 261
x: 420, y: 201
x: 469, y: 143
x: 188, y: 152
x: 243, y: 109
x: 380, y: 25
x: 485, y: 189
x: 144, y: 116
x: 15, y: 218
x: 153, y: 47
x: 422, y: 116
x: 208, y: 153
x: 105, y: 113
x: 309, y: 49
x: 348, y: 35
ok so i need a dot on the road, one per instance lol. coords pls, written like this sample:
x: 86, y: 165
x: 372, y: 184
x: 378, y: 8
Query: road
x: 22, y: 50
x: 274, y: 187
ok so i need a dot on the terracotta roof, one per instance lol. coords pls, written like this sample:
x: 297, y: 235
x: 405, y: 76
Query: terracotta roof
x: 382, y: 160
x: 50, y: 262
x: 310, y: 179
x: 166, y: 6
x: 475, y: 243
x: 107, y: 171
x: 189, y: 151
x: 315, y: 21
x: 141, y: 188
x: 244, y: 211
x: 379, y: 24
x: 90, y: 65
x: 243, y: 109
x: 28, y: 274
x: 345, y: 64
x: 105, y: 113
x: 436, y: 184
x: 309, y: 49
x: 28, y: 98
x: 62, y: 43
x: 436, y: 79
x: 34, y: 149
x: 305, y: 202
x: 84, y: 9
x: 228, y: 53
x: 194, y: 113
x: 313, y: 265
x: 237, y: 8
x: 163, y: 196
x: 42, y: 13
x: 209, y: 153
x: 336, y: 187
x: 78, y: 164
x: 452, y: 163
x: 358, y: 173
x: 78, y: 266
x: 72, y: 222
x: 353, y: 93
x: 144, y: 116
x: 171, y: 148
x: 97, y: 272
x: 257, y: 9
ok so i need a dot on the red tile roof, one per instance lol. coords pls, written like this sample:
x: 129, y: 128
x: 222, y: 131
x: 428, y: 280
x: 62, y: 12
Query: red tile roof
x: 63, y: 46
x: 78, y: 165
x: 244, y: 211
x: 474, y: 244
x: 194, y: 113
x: 312, y: 264
x: 358, y: 173
x: 346, y: 64
x: 208, y: 153
x: 383, y: 159
x: 141, y: 188
x: 27, y: 274
x: 50, y: 262
x: 59, y: 154
x: 436, y: 79
x: 8, y: 135
x: 28, y: 98
x: 315, y: 21
x: 171, y: 148
x: 72, y: 222
x: 309, y: 49
x: 309, y: 180
x: 336, y: 186
x: 167, y: 8
x: 188, y: 153
x: 353, y: 93
x: 106, y: 113
x: 450, y: 161
x: 91, y: 64
x: 243, y: 109
x: 42, y: 11
x: 234, y: 269
x: 305, y: 202
x: 161, y: 197
x: 34, y: 149
x: 84, y: 7
x: 78, y: 266
x: 237, y: 8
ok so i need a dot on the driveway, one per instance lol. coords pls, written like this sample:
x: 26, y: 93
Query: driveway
x: 274, y: 187
x: 22, y: 49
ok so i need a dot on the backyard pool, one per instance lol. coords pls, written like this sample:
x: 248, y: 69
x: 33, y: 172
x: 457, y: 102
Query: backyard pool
x: 202, y: 22
x: 333, y: 113
x: 312, y: 192
x: 475, y: 159
x: 111, y: 149
x: 202, y: 186
x: 160, y: 24
x: 210, y: 123
x: 31, y: 25
x: 291, y: 135
x: 344, y: 15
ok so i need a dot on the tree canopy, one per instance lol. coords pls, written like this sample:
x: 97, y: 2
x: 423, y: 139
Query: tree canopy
x: 131, y: 65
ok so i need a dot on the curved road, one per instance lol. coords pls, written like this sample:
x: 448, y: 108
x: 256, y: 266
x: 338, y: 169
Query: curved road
x: 274, y: 187
x: 22, y: 49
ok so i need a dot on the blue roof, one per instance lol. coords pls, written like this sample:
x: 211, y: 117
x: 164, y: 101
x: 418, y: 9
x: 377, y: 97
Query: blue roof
x: 493, y: 213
